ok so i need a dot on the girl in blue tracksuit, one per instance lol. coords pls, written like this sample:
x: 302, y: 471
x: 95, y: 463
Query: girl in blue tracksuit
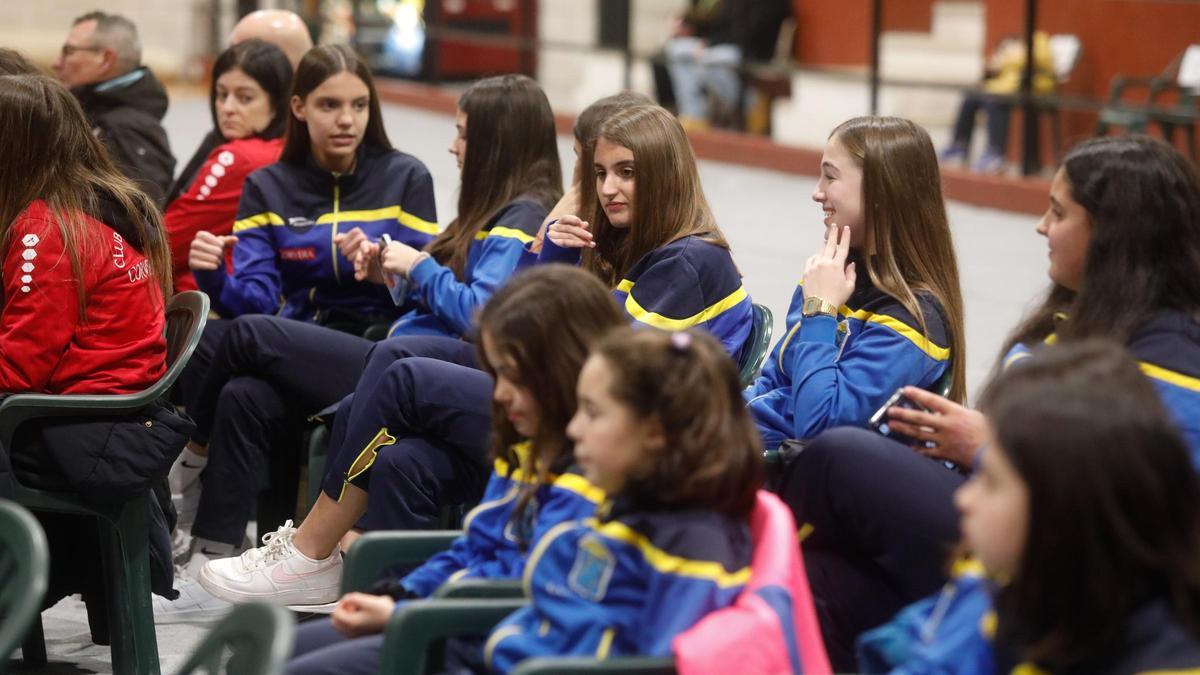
x: 338, y: 174
x: 662, y: 430
x: 535, y: 335
x: 1125, y: 265
x: 650, y: 233
x: 267, y: 372
x: 1090, y: 522
x: 880, y: 305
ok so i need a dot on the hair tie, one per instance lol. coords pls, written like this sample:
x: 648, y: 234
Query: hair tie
x: 681, y: 341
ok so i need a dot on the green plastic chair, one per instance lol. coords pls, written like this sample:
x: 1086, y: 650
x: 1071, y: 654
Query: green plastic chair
x: 254, y: 639
x: 25, y: 569
x: 124, y: 528
x: 418, y: 627
x: 374, y: 552
x: 758, y: 344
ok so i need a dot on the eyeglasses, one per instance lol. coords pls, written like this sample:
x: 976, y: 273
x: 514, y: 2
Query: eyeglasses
x: 68, y: 50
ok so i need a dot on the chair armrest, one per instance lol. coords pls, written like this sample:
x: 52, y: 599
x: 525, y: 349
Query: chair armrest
x: 376, y: 551
x: 21, y: 408
x: 419, y: 624
x: 482, y: 588
x: 582, y: 665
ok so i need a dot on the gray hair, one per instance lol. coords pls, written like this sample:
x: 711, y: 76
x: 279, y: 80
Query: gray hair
x: 119, y: 34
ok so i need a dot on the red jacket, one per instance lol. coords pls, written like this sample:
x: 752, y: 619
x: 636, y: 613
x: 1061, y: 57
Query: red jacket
x: 211, y: 201
x: 46, y: 346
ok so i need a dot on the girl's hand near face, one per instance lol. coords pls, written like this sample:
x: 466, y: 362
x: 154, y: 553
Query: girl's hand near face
x: 571, y: 232
x: 398, y: 258
x: 826, y: 274
x: 366, y: 263
x: 955, y: 431
x: 358, y: 614
x: 567, y: 205
x: 208, y: 250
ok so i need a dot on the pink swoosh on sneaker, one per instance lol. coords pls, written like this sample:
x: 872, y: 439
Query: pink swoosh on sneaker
x: 281, y: 576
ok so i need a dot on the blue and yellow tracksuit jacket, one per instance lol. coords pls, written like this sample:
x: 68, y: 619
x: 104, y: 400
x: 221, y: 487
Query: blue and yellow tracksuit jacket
x: 447, y: 306
x: 828, y: 372
x: 1168, y: 351
x: 493, y: 546
x: 688, y: 282
x: 625, y: 584
x: 953, y: 632
x: 286, y: 262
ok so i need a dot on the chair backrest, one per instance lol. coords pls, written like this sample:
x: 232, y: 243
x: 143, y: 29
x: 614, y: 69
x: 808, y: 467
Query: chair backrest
x: 187, y: 313
x: 758, y: 344
x: 254, y: 639
x: 25, y: 571
x: 1064, y: 53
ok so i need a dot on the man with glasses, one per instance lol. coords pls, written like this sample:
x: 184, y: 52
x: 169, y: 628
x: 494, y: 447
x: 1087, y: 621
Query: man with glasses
x: 101, y: 61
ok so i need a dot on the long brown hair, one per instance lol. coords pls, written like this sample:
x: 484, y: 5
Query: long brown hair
x: 51, y: 154
x: 1114, y: 502
x: 587, y: 124
x: 512, y: 151
x: 712, y: 453
x: 544, y: 320
x: 668, y: 202
x: 318, y: 65
x: 908, y: 245
x: 1142, y: 198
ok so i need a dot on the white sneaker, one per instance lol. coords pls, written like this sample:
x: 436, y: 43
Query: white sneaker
x: 194, y: 604
x: 181, y: 546
x: 275, y: 573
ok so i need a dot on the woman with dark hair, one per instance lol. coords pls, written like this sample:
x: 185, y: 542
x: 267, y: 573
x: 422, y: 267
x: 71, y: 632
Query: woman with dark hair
x: 248, y: 101
x: 1087, y: 524
x: 1123, y: 228
x: 338, y: 180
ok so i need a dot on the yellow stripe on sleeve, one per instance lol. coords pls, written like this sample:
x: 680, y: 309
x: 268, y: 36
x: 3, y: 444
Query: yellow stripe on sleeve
x: 672, y: 564
x: 1170, y: 376
x: 505, y: 232
x: 642, y: 315
x: 258, y: 220
x: 911, y: 334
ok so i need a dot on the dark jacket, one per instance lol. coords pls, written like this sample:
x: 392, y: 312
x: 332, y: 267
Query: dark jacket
x: 126, y: 115
x: 752, y: 25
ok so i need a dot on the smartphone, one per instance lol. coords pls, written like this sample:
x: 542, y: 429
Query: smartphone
x: 881, y: 423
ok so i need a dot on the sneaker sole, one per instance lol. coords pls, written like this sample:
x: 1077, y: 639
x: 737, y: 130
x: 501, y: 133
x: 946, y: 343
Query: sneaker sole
x: 326, y: 608
x: 308, y: 597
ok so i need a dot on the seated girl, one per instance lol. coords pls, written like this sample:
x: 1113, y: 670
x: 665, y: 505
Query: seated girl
x: 85, y: 271
x: 268, y: 373
x: 248, y: 101
x: 650, y: 233
x: 661, y: 428
x: 1089, y: 525
x: 1124, y: 265
x: 535, y: 334
x: 879, y: 306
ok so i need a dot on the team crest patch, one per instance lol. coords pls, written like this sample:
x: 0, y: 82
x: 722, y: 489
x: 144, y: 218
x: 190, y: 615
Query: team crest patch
x: 593, y: 569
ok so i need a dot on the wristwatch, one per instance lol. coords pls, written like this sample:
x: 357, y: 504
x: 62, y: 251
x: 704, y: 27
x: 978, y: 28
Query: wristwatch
x: 814, y: 306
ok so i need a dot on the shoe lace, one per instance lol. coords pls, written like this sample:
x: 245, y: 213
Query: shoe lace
x: 276, y: 545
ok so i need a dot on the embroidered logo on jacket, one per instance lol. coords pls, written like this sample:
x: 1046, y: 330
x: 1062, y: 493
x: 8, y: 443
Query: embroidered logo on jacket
x: 303, y: 253
x: 30, y: 241
x: 593, y: 569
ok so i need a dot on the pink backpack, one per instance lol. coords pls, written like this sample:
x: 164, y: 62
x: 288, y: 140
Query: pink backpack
x: 772, y: 628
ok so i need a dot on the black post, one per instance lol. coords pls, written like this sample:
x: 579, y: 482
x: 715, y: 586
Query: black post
x: 614, y: 32
x: 1030, y: 162
x: 876, y: 32
x: 430, y: 62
